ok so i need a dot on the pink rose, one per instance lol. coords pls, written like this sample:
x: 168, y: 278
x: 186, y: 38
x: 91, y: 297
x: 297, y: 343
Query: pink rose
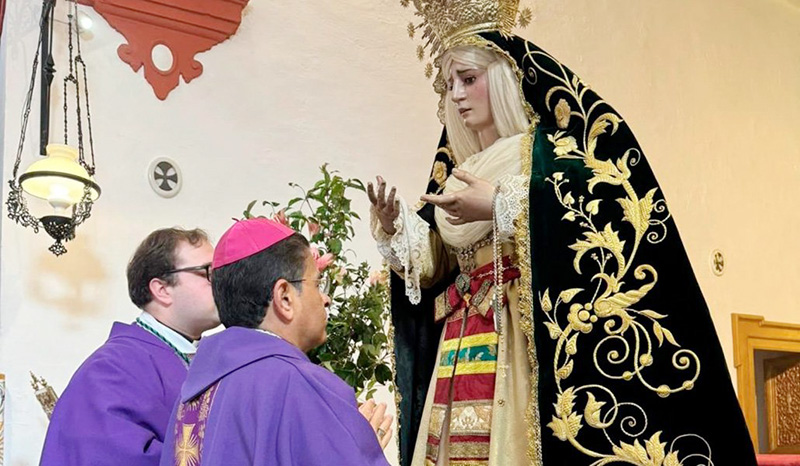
x: 313, y: 229
x: 280, y: 217
x: 376, y: 277
x: 322, y: 261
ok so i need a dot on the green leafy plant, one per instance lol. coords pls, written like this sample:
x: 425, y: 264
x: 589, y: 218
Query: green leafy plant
x: 357, y: 348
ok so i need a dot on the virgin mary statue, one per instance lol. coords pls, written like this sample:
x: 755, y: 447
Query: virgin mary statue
x: 545, y: 311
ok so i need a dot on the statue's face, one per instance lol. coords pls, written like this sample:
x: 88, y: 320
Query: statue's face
x: 468, y: 88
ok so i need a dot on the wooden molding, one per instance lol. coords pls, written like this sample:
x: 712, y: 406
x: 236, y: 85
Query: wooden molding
x: 751, y: 333
x: 186, y: 27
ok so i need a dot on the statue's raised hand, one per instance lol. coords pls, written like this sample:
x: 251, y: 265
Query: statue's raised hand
x: 386, y: 207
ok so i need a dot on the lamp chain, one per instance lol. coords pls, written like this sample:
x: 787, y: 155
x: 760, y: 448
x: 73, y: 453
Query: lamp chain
x: 29, y: 95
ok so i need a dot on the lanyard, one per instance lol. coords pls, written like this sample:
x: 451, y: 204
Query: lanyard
x: 150, y: 329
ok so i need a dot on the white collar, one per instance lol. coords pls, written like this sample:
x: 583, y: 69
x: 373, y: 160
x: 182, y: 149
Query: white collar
x: 268, y: 332
x: 177, y: 340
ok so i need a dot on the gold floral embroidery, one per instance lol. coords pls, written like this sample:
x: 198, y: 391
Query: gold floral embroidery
x: 564, y: 145
x: 439, y: 172
x: 562, y: 114
x: 205, y: 406
x: 578, y: 311
x: 437, y: 420
x: 471, y: 418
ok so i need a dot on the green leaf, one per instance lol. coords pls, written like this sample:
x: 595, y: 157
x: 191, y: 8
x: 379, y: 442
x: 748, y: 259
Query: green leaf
x: 246, y: 213
x: 383, y: 373
x: 356, y: 184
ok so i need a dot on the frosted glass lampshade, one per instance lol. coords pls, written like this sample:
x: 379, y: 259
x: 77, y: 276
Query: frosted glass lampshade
x: 59, y: 178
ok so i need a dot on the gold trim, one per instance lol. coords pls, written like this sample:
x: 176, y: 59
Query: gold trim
x: 751, y: 333
x: 469, y: 450
x: 397, y: 397
x: 468, y: 368
x: 490, y: 26
x: 522, y: 238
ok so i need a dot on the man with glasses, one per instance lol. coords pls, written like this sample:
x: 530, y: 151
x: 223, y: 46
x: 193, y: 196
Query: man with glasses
x: 116, y: 408
x: 252, y: 397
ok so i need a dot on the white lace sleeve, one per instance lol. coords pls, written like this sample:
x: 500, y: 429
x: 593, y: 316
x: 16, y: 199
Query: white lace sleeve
x: 510, y: 198
x: 408, y: 251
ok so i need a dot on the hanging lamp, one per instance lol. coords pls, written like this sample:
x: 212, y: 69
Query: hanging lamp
x: 64, y: 178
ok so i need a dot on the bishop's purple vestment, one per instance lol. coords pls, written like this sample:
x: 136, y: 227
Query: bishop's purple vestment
x: 252, y: 399
x: 116, y: 408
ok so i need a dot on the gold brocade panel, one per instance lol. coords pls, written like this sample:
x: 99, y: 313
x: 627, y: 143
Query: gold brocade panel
x: 782, y: 390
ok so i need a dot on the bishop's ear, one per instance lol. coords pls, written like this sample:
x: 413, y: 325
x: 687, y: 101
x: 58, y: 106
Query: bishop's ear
x: 284, y: 298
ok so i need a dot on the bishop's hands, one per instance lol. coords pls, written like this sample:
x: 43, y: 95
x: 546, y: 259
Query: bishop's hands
x: 380, y: 422
x: 471, y: 204
x: 386, y: 207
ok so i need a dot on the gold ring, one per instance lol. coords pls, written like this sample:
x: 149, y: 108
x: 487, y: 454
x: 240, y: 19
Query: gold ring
x: 381, y: 433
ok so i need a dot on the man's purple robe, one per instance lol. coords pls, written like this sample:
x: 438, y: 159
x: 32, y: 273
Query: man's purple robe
x: 252, y: 399
x: 116, y: 408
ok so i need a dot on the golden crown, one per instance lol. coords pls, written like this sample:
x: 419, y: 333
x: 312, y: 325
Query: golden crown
x: 446, y: 21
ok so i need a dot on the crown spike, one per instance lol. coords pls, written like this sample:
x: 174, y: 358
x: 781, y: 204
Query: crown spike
x: 444, y: 22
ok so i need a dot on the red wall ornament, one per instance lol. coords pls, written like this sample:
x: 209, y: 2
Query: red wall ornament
x: 186, y: 27
x: 2, y: 15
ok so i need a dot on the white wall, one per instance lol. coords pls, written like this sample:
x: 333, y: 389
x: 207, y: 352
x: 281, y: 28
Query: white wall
x: 711, y: 88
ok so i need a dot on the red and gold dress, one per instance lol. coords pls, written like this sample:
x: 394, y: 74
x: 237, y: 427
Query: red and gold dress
x: 479, y: 393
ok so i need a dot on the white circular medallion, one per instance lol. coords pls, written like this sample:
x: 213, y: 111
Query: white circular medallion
x: 717, y: 262
x: 165, y: 177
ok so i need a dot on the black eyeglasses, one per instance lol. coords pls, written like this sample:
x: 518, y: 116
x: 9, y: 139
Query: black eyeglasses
x: 322, y: 283
x: 201, y: 270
